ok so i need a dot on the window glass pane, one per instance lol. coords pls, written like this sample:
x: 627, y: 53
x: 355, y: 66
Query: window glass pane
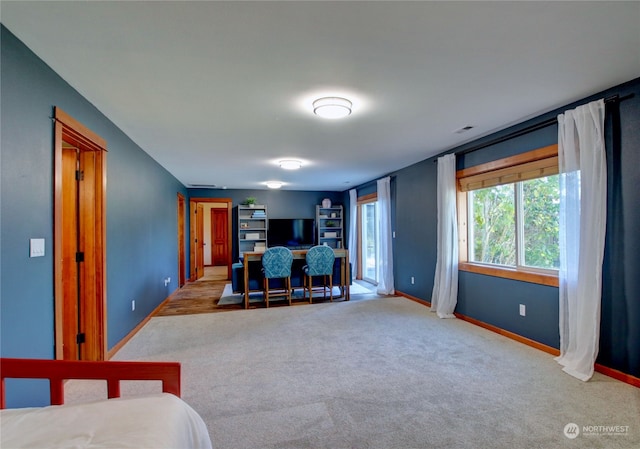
x: 541, y: 207
x: 493, y: 228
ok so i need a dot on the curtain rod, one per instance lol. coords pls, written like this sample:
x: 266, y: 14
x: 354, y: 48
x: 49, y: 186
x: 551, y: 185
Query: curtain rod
x: 529, y: 129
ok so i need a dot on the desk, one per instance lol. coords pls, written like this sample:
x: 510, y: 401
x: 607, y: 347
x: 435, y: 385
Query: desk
x: 342, y: 254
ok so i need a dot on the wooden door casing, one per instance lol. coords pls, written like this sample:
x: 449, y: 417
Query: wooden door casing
x: 79, y: 241
x: 192, y: 240
x: 199, y: 241
x: 193, y: 202
x: 181, y: 245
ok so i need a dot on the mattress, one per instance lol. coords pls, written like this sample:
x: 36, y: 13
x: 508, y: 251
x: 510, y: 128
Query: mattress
x: 155, y: 421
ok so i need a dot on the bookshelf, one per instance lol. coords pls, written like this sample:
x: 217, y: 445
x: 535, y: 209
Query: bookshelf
x: 252, y: 229
x: 330, y: 226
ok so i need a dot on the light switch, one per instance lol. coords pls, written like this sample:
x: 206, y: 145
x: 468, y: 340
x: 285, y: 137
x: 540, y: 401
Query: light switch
x: 36, y: 248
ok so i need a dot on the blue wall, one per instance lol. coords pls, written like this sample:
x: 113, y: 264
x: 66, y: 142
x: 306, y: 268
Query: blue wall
x: 280, y: 203
x: 141, y: 213
x: 495, y: 300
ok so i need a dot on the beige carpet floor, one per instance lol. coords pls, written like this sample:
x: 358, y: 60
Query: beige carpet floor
x: 379, y: 373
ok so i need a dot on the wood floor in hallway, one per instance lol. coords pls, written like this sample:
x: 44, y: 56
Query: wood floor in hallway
x: 200, y: 296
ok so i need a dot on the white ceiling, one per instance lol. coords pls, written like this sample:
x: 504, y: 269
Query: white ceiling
x: 218, y: 92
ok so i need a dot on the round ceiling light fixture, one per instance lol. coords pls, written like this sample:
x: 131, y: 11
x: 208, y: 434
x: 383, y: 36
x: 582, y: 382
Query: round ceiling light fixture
x: 290, y: 164
x: 332, y: 107
x: 274, y: 184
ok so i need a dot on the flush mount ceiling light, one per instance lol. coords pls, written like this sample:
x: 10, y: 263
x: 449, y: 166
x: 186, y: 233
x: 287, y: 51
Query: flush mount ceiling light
x: 332, y: 107
x: 290, y: 164
x: 274, y: 184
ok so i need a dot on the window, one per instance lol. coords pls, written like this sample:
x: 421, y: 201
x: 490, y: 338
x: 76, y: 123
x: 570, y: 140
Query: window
x: 516, y: 224
x: 509, y: 213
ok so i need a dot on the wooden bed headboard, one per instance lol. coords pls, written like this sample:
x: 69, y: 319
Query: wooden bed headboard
x: 57, y: 371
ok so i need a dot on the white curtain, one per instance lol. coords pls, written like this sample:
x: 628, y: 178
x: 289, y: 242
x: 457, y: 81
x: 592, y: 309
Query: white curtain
x: 353, y: 230
x: 445, y: 283
x: 385, y: 248
x: 583, y: 192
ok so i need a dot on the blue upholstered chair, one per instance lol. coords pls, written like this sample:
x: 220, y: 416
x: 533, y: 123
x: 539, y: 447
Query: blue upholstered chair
x: 319, y: 263
x: 276, y: 264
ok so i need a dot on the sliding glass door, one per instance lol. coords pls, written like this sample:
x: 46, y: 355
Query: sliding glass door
x: 369, y: 241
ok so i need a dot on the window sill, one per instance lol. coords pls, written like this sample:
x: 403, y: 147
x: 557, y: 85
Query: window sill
x: 510, y: 273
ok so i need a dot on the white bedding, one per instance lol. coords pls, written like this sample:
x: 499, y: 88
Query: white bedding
x: 157, y: 421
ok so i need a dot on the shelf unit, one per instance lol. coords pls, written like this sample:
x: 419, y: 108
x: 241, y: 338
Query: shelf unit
x: 252, y: 229
x: 330, y: 226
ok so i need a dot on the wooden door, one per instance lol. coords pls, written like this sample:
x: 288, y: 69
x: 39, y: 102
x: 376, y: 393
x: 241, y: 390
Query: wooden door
x: 81, y: 277
x: 219, y: 237
x: 70, y: 280
x: 89, y: 314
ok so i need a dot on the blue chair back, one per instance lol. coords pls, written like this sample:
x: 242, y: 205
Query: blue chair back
x: 320, y: 260
x: 276, y: 262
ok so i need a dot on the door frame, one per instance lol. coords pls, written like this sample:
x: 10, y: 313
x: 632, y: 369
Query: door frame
x: 199, y: 241
x: 193, y: 231
x: 182, y: 265
x: 362, y: 200
x: 68, y: 129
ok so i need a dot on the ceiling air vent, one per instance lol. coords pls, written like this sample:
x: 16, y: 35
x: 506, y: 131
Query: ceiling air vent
x: 203, y: 186
x: 464, y: 129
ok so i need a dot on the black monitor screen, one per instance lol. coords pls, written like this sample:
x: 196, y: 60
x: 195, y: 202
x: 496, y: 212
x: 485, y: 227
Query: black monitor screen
x: 291, y: 232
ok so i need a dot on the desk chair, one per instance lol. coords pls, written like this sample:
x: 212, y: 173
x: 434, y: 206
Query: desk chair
x: 319, y: 263
x: 276, y: 264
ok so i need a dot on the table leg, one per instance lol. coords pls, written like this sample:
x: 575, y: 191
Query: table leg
x: 245, y: 261
x: 347, y: 274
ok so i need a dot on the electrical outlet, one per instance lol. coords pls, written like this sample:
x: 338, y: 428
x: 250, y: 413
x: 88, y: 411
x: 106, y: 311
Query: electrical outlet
x: 523, y: 310
x: 133, y: 305
x: 413, y: 280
